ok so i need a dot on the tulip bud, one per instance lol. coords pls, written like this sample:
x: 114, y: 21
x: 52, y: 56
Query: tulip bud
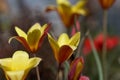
x: 106, y: 4
x: 75, y: 69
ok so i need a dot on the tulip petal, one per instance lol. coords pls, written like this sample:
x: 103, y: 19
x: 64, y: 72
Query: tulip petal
x: 79, y: 68
x: 33, y: 39
x: 63, y: 39
x: 53, y: 44
x: 79, y: 8
x: 64, y: 53
x: 76, y: 68
x: 15, y: 75
x: 21, y: 33
x: 20, y: 58
x: 44, y: 28
x: 44, y: 31
x: 80, y: 4
x: 74, y: 41
x: 21, y: 40
x: 65, y: 2
x: 36, y: 26
x: 6, y: 63
x: 33, y: 62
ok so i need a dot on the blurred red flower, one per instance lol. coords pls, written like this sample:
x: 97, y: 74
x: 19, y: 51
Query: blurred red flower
x: 111, y: 42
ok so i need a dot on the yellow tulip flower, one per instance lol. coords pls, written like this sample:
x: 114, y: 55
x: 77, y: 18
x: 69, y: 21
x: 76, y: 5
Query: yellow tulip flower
x: 106, y: 4
x: 34, y: 37
x: 17, y: 67
x: 64, y: 47
x: 67, y: 11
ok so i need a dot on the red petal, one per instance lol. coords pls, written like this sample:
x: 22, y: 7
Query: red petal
x: 24, y: 42
x: 43, y: 36
x: 86, y: 47
x: 64, y: 53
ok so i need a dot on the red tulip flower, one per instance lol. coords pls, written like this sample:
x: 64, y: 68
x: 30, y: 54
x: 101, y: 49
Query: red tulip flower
x: 111, y: 42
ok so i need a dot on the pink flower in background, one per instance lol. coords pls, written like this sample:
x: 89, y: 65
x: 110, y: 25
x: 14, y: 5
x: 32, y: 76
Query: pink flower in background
x: 84, y: 78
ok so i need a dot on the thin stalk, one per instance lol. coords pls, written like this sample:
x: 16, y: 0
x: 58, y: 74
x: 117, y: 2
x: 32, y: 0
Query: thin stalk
x: 59, y: 73
x: 75, y: 23
x: 97, y: 59
x: 37, y: 70
x: 104, y: 50
x: 81, y: 44
x: 69, y: 31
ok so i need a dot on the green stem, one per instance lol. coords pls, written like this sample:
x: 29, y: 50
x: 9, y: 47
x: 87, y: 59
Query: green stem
x: 81, y: 44
x: 59, y: 73
x: 104, y: 44
x: 37, y: 69
x: 97, y: 59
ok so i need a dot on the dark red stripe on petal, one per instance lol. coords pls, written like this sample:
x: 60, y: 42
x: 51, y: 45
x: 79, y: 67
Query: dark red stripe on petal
x: 64, y: 53
x: 24, y: 42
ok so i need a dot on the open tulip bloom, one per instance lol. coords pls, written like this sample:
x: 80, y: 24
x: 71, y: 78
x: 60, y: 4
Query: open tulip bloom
x: 64, y: 47
x: 34, y: 37
x: 67, y: 11
x: 17, y: 67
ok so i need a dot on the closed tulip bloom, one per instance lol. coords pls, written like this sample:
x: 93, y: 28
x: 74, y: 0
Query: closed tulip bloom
x: 64, y: 47
x: 106, y: 4
x: 18, y: 67
x: 76, y: 69
x: 67, y: 11
x: 33, y: 38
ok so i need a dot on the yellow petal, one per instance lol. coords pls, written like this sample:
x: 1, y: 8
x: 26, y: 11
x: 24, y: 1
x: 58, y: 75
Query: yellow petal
x: 79, y: 67
x: 74, y: 41
x: 20, y: 59
x: 43, y: 28
x: 36, y: 26
x: 83, y: 12
x: 81, y: 4
x: 64, y: 9
x: 53, y: 44
x: 33, y: 62
x: 6, y: 63
x: 21, y: 32
x: 63, y: 39
x: 65, y: 2
x: 79, y: 8
x: 33, y: 38
x: 15, y: 75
